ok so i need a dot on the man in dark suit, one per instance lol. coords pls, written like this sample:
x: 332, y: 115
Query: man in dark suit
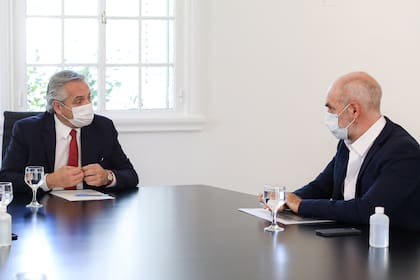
x: 45, y: 140
x: 377, y: 162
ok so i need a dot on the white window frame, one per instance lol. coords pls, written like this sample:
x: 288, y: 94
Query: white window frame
x: 185, y: 117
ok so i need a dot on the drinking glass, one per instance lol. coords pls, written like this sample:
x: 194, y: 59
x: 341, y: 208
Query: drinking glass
x: 6, y: 193
x: 274, y: 197
x: 34, y: 177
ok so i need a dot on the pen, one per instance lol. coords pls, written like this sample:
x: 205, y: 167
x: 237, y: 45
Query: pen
x: 90, y: 194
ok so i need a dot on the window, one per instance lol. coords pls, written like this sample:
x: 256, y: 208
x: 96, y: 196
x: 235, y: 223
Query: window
x: 133, y: 53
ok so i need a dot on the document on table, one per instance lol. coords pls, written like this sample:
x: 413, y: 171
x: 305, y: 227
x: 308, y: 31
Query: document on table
x: 81, y: 195
x: 283, y: 217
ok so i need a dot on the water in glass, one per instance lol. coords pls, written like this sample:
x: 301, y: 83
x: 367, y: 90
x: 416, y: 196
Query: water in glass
x: 274, y: 197
x: 34, y: 177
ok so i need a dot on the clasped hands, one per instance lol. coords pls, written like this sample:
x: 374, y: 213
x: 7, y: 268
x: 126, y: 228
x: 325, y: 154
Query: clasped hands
x: 292, y: 201
x: 92, y: 174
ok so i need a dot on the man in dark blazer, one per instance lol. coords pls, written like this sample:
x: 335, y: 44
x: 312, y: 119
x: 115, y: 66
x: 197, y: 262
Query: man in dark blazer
x: 44, y: 139
x: 377, y: 162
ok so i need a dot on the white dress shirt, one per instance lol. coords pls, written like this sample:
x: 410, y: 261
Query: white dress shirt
x: 62, y: 147
x: 357, y: 154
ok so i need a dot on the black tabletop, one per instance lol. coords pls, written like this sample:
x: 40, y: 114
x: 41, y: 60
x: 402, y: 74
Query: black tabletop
x: 189, y: 232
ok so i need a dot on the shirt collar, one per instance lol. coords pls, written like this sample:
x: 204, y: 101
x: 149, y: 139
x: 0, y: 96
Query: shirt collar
x: 362, y: 145
x: 62, y: 131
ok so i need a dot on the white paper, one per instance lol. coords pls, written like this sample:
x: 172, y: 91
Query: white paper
x: 81, y: 195
x: 283, y: 217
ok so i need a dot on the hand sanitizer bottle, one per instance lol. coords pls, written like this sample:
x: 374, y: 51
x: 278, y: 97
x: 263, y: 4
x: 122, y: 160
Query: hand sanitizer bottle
x: 5, y: 227
x: 379, y: 229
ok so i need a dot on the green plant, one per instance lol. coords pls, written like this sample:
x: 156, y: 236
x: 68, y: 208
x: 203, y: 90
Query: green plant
x: 37, y: 82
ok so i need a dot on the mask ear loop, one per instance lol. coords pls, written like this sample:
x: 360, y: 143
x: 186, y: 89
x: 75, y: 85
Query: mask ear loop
x: 350, y: 123
x: 342, y: 111
x: 68, y: 108
x: 64, y: 105
x: 60, y: 104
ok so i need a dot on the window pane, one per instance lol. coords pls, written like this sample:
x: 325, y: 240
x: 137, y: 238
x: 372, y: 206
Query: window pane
x: 36, y: 86
x: 122, y: 41
x: 91, y: 74
x: 156, y: 87
x: 43, y: 7
x: 80, y: 7
x: 80, y: 40
x: 138, y: 52
x: 122, y: 7
x: 122, y: 88
x: 43, y: 40
x: 157, y: 41
x: 155, y: 8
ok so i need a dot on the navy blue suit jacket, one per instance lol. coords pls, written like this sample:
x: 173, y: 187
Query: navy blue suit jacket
x: 388, y: 177
x: 33, y: 143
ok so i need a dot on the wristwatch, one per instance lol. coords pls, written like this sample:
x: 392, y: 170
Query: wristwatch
x: 110, y: 177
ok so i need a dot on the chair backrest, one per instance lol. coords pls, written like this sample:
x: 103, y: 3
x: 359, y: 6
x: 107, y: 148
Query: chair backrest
x: 10, y: 117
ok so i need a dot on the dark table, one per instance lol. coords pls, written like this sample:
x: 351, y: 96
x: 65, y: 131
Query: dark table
x: 189, y: 232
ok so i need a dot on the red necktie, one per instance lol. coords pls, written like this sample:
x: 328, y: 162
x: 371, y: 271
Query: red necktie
x: 73, y: 154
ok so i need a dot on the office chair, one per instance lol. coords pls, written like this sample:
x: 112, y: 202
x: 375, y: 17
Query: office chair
x: 10, y: 117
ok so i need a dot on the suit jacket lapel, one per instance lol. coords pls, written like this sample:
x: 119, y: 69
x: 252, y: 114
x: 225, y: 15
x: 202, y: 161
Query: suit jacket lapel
x: 373, y: 150
x: 341, y: 160
x: 90, y: 145
x: 49, y: 140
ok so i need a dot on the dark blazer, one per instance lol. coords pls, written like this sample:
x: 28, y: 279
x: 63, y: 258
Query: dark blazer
x: 33, y: 143
x: 388, y: 177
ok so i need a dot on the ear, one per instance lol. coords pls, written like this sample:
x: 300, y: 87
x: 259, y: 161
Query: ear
x: 355, y: 109
x: 57, y: 107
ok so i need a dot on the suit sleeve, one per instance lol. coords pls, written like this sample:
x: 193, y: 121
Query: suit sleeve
x: 388, y: 181
x: 328, y: 184
x: 321, y: 187
x: 125, y: 174
x: 15, y: 158
x: 116, y: 160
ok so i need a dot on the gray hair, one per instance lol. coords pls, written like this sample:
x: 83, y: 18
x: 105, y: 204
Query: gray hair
x: 55, y: 89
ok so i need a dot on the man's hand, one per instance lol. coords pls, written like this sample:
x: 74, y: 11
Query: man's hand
x: 293, y: 201
x: 65, y: 176
x: 262, y: 202
x: 95, y: 175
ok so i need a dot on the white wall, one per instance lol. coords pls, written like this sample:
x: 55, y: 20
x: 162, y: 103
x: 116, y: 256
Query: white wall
x: 264, y: 67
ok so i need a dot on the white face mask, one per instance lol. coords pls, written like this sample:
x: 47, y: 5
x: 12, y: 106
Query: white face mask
x: 82, y: 115
x: 331, y: 121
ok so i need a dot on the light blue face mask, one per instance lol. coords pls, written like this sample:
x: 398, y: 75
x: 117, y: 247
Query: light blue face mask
x: 331, y: 121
